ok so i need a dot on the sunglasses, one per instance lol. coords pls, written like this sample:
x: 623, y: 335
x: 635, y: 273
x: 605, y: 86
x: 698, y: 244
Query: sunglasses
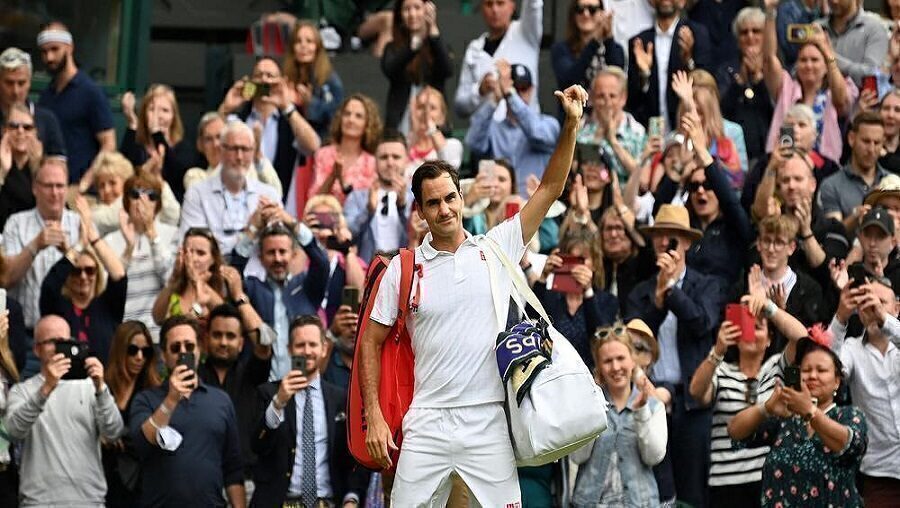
x: 589, y: 9
x: 78, y: 271
x: 133, y: 350
x: 177, y: 347
x: 28, y: 127
x: 136, y: 193
x: 752, y: 393
x: 641, y: 346
x: 609, y: 332
x: 695, y: 186
x: 54, y: 340
x: 384, y: 205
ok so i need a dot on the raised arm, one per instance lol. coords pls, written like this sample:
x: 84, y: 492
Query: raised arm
x: 772, y: 69
x: 554, y: 180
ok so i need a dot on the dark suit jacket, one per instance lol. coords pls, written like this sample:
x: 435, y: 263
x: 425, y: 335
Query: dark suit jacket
x: 643, y: 104
x: 276, y: 449
x: 302, y: 294
x: 697, y: 304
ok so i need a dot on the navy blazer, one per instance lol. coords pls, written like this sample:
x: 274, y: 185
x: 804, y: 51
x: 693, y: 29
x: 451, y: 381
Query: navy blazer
x: 276, y: 449
x: 287, y: 158
x: 642, y: 104
x: 302, y: 293
x: 697, y: 304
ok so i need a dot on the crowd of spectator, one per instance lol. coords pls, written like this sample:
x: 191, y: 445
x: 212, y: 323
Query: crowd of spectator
x: 181, y: 320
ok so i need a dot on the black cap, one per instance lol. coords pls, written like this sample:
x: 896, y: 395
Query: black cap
x: 521, y: 77
x: 880, y: 217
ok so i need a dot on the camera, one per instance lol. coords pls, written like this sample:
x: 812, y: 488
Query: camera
x: 799, y: 33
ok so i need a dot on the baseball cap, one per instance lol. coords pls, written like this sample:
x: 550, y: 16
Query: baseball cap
x: 880, y: 217
x: 521, y: 77
x: 676, y: 138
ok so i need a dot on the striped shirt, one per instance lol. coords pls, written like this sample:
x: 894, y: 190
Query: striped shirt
x: 20, y: 230
x: 147, y: 272
x: 733, y: 393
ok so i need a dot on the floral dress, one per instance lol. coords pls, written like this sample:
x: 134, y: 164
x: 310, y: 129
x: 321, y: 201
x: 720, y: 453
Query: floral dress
x: 801, y: 471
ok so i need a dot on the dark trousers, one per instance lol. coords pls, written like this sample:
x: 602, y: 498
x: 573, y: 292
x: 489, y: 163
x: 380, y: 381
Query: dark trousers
x: 879, y: 491
x: 9, y: 487
x: 687, y: 452
x: 745, y: 495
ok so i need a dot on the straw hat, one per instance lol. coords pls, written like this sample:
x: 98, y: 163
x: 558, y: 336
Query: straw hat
x: 888, y: 186
x: 673, y: 218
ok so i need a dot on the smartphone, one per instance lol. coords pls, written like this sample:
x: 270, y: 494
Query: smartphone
x: 672, y: 245
x: 487, y: 167
x: 255, y: 89
x: 657, y: 126
x: 588, y: 153
x: 2, y: 299
x: 512, y: 209
x: 333, y: 243
x: 786, y: 136
x: 856, y: 273
x: 159, y: 139
x: 78, y: 353
x: 325, y: 220
x: 298, y: 363
x: 792, y: 377
x: 739, y: 314
x: 350, y: 298
x: 561, y: 279
x: 189, y: 361
x: 870, y: 82
x: 799, y: 33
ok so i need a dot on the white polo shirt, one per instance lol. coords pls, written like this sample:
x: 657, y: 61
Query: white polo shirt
x: 455, y: 328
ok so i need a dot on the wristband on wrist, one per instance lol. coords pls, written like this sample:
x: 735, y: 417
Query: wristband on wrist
x: 165, y: 409
x: 288, y: 111
x: 714, y: 358
x: 153, y: 423
x: 771, y: 309
x: 807, y: 237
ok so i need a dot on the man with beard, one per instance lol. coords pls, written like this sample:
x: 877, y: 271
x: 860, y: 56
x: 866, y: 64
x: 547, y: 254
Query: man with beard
x: 858, y: 37
x: 78, y: 103
x: 378, y: 216
x: 283, y: 295
x: 656, y: 54
x: 238, y: 375
x: 225, y: 203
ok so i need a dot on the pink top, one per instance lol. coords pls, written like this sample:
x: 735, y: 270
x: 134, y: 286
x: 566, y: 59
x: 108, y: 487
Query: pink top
x: 830, y: 143
x: 360, y: 175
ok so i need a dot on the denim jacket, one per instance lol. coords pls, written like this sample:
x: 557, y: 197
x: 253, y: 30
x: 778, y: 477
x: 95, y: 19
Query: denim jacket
x: 621, y: 435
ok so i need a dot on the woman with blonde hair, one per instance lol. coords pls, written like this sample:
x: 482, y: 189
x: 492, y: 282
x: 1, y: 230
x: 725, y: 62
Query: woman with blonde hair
x: 313, y: 82
x: 87, y: 288
x: 21, y: 152
x: 636, y: 437
x: 428, y: 138
x: 154, y: 138
x: 347, y: 162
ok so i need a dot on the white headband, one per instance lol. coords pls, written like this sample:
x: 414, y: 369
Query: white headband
x: 61, y: 36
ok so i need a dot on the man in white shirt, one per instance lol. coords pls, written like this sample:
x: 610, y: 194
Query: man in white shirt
x: 872, y: 367
x: 456, y: 424
x: 514, y: 41
x: 225, y: 203
x: 34, y: 240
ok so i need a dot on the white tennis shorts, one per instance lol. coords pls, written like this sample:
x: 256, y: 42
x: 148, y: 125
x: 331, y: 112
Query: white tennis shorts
x: 473, y: 441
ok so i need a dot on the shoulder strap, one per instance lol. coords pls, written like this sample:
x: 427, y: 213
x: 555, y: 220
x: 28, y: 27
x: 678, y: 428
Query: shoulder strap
x: 520, y: 284
x: 407, y: 272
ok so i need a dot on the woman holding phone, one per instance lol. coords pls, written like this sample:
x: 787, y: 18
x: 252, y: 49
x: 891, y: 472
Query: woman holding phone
x: 740, y: 372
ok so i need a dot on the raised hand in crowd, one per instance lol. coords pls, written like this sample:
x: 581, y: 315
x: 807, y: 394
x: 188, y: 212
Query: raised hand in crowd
x: 870, y: 307
x: 584, y: 276
x: 182, y: 382
x: 803, y: 213
x: 686, y: 44
x: 6, y: 158
x: 531, y: 184
x: 233, y: 280
x: 604, y: 28
x: 483, y: 188
x: 234, y: 98
x: 693, y: 127
x: 578, y: 197
x: 51, y: 236
x: 777, y: 405
x: 728, y: 336
x: 868, y: 100
x: 646, y: 391
x: 776, y: 293
x: 683, y: 86
x: 755, y: 285
x: 505, y: 79
x: 53, y: 372
x: 156, y: 156
x: 643, y: 56
x: 552, y: 263
x: 128, y: 111
x: 292, y: 383
x: 94, y: 369
x: 667, y: 262
x: 344, y: 324
x: 751, y: 66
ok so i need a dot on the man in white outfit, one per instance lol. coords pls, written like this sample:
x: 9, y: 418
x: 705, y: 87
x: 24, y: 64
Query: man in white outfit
x: 456, y: 423
x: 514, y: 41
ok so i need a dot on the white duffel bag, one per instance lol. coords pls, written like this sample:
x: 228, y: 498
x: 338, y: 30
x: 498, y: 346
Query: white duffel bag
x: 564, y: 409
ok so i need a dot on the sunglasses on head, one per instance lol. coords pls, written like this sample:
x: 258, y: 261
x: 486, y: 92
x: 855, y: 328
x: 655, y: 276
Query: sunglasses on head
x: 146, y: 351
x: 177, y: 347
x: 590, y: 9
x: 610, y: 332
x: 28, y: 127
x: 90, y: 271
x: 695, y: 186
x: 136, y: 193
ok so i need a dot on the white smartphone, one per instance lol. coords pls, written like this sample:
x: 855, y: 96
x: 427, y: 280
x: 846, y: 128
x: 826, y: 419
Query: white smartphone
x: 486, y: 167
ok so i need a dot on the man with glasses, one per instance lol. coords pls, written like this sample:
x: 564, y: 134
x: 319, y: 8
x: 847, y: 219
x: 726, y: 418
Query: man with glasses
x: 264, y: 100
x: 185, y: 432
x: 60, y: 422
x: 34, y: 240
x: 225, y: 203
x: 378, y: 216
x: 15, y: 83
x: 78, y: 103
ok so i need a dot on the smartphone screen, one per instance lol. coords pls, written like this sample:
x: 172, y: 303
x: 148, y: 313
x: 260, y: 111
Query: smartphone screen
x: 672, y: 245
x: 350, y: 298
x: 188, y: 360
x: 792, y: 377
x: 657, y: 124
x: 870, y: 83
x: 857, y: 275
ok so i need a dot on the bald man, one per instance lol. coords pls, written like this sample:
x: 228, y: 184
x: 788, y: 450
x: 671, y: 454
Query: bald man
x: 61, y: 422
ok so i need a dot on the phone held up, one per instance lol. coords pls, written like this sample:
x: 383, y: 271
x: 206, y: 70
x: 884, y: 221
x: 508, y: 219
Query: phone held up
x: 739, y: 314
x: 350, y: 298
x: 188, y: 360
x: 799, y: 33
x: 561, y: 280
x: 792, y: 377
x: 298, y: 363
x: 77, y: 352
